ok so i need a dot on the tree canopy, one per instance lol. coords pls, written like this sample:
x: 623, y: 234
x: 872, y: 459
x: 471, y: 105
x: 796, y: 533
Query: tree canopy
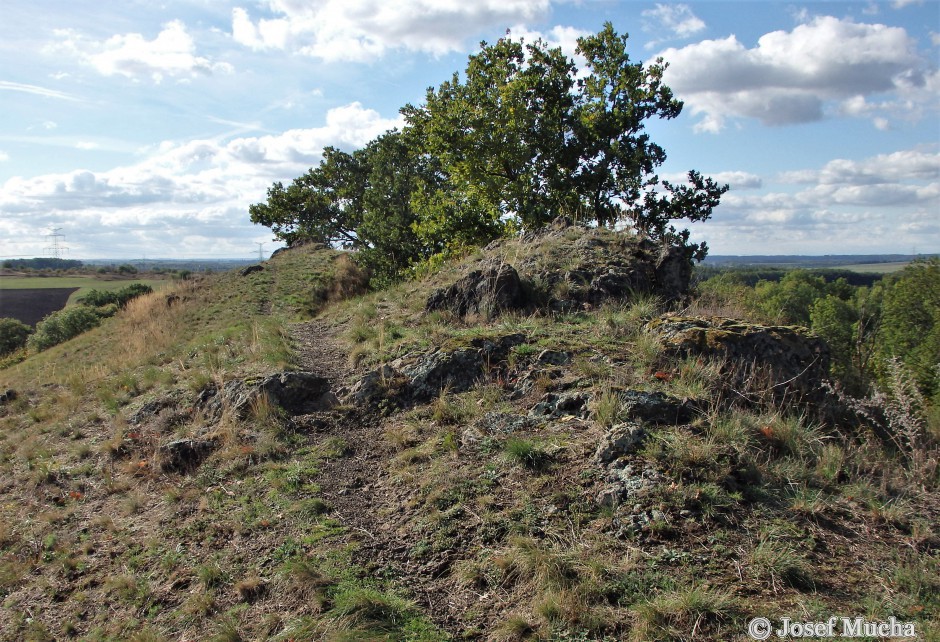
x: 523, y: 136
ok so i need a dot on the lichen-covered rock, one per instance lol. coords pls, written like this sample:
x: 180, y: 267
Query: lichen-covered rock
x: 622, y: 439
x: 488, y: 292
x: 457, y: 371
x: 654, y: 407
x: 779, y: 360
x: 553, y: 406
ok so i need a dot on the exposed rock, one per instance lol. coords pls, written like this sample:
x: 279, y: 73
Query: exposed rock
x: 297, y: 393
x: 553, y: 406
x: 655, y: 407
x: 151, y: 409
x: 622, y: 439
x: 7, y: 396
x: 251, y: 269
x: 382, y: 386
x: 781, y: 360
x: 554, y: 357
x: 185, y: 454
x: 628, y: 484
x: 457, y: 371
x: 488, y: 292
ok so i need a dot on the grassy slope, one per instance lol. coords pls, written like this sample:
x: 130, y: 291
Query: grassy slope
x: 97, y: 542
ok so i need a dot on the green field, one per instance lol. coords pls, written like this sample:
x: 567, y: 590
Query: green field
x: 84, y: 283
x: 878, y: 268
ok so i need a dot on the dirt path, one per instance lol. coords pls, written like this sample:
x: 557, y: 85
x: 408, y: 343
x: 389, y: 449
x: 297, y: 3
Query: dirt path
x: 354, y: 485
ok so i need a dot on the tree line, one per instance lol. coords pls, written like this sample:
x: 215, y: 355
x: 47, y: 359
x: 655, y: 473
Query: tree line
x: 522, y: 137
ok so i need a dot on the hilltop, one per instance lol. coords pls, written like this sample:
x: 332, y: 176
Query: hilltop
x: 550, y: 438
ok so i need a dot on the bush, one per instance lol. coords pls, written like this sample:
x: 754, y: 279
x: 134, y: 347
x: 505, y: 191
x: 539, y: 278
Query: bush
x: 61, y: 326
x: 13, y: 335
x: 99, y: 298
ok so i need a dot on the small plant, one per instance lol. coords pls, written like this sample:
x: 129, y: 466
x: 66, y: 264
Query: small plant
x: 778, y: 561
x: 526, y: 452
x: 608, y: 407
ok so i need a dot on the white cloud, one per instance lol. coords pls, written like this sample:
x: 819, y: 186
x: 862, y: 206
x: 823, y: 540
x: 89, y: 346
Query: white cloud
x: 739, y: 180
x: 4, y: 157
x: 677, y: 19
x: 362, y: 30
x: 793, y: 76
x: 6, y: 85
x: 178, y: 189
x: 883, y: 203
x: 172, y: 53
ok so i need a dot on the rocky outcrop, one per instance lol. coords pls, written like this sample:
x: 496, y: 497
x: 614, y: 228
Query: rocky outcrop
x: 297, y: 393
x: 487, y: 292
x: 566, y: 268
x: 251, y: 269
x: 780, y: 360
x: 185, y: 454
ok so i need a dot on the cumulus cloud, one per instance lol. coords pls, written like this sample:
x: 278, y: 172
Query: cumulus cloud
x: 362, y: 30
x: 677, y: 19
x: 179, y: 188
x: 885, y: 203
x: 172, y: 53
x: 793, y: 76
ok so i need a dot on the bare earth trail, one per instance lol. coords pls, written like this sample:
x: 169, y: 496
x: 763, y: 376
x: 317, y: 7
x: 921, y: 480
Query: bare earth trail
x: 356, y: 486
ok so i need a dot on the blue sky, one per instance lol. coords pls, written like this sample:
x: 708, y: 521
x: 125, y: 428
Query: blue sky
x: 148, y: 128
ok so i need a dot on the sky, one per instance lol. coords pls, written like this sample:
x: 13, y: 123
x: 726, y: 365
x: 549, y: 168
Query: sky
x: 147, y: 129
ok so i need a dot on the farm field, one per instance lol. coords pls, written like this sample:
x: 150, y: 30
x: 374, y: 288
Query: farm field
x: 31, y: 298
x: 877, y: 268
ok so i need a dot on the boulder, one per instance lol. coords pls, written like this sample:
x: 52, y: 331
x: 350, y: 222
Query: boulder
x: 185, y: 454
x: 251, y: 269
x: 457, y: 371
x: 7, y: 397
x: 488, y: 292
x: 655, y: 407
x: 297, y: 393
x: 783, y: 361
x: 383, y: 386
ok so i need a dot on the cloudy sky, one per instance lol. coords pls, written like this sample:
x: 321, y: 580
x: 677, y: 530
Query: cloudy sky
x: 146, y: 129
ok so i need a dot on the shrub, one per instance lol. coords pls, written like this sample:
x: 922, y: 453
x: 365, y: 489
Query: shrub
x: 99, y: 298
x: 61, y: 326
x: 13, y: 335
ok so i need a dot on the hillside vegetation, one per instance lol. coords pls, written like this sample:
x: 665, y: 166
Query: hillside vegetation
x: 280, y: 455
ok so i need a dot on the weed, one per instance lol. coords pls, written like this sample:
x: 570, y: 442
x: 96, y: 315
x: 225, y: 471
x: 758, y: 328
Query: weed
x: 526, y: 452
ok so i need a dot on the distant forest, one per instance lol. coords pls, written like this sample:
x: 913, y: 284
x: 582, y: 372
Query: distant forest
x: 41, y: 263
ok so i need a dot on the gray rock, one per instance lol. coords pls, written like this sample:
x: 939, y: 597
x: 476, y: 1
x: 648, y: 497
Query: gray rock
x: 297, y: 393
x: 8, y: 396
x: 552, y: 406
x: 374, y: 387
x: 251, y: 269
x: 488, y: 292
x: 554, y: 357
x: 622, y: 439
x: 456, y: 371
x: 185, y: 454
x: 628, y: 484
x: 655, y: 407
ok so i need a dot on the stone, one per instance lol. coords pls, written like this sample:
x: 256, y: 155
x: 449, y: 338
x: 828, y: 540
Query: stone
x: 781, y: 361
x: 374, y: 387
x: 8, y: 396
x: 554, y: 357
x: 489, y: 292
x: 621, y: 440
x: 457, y: 371
x: 655, y: 407
x: 297, y: 393
x: 185, y: 454
x: 553, y: 406
x: 251, y: 269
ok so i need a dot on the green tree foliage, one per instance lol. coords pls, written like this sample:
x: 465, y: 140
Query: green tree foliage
x: 13, y: 335
x: 61, y: 326
x: 910, y: 322
x: 519, y: 139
